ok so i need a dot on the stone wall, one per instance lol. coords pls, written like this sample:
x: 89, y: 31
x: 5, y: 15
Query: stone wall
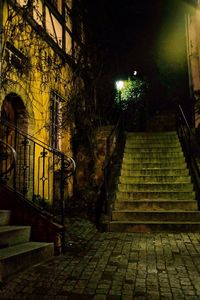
x: 162, y: 121
x: 89, y: 174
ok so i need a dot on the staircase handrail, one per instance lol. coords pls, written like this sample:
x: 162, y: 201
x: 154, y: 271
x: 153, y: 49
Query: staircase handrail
x: 42, y: 144
x: 14, y: 154
x: 184, y: 118
x: 45, y: 170
x: 189, y: 144
x: 114, y: 132
x: 25, y: 134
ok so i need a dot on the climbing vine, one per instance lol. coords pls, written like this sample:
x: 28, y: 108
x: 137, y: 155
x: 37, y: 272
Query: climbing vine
x: 29, y: 61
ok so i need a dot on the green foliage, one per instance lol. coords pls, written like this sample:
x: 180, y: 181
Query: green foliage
x: 134, y: 90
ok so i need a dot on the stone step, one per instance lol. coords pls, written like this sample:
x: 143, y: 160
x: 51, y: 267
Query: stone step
x: 153, y: 155
x: 159, y: 160
x: 131, y: 226
x: 176, y: 195
x: 159, y: 134
x: 156, y: 172
x: 12, y: 235
x: 152, y: 151
x: 155, y: 187
x: 152, y: 146
x: 18, y: 257
x: 151, y: 136
x: 165, y: 216
x: 154, y: 205
x: 163, y: 165
x: 154, y: 179
x: 153, y: 140
x: 147, y: 142
x: 4, y: 217
x: 168, y: 149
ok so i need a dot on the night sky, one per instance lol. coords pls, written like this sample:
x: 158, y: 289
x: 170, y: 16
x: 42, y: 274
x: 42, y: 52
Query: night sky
x: 126, y: 30
x: 147, y: 36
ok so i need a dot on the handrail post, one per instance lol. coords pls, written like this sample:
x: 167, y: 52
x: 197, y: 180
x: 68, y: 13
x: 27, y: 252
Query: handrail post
x: 62, y: 199
x: 190, y: 146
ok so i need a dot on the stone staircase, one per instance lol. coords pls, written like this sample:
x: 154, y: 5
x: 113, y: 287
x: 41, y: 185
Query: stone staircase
x: 154, y: 191
x: 16, y: 250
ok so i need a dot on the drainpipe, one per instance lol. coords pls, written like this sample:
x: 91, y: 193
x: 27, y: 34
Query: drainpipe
x: 1, y: 41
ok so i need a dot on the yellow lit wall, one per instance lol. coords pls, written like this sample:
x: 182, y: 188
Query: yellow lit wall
x: 46, y: 73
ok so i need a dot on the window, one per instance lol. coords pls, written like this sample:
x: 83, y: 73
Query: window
x: 53, y: 27
x: 68, y: 43
x: 55, y: 120
x: 50, y: 15
x: 57, y: 4
x: 16, y: 58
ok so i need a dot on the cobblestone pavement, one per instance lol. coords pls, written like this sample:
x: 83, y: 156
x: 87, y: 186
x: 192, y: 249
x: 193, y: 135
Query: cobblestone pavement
x: 114, y: 266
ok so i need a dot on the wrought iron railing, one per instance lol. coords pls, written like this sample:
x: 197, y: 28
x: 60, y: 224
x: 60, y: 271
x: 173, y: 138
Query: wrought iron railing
x: 191, y: 149
x: 35, y: 170
x: 8, y: 158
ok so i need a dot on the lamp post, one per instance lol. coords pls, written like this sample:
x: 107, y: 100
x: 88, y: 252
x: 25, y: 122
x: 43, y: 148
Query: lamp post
x: 119, y: 85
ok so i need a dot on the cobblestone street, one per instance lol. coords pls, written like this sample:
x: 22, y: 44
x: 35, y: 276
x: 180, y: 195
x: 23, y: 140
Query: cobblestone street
x: 114, y: 266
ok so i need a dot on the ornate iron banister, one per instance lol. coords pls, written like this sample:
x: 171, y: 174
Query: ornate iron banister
x: 31, y: 137
x: 37, y: 171
x: 4, y: 155
x: 191, y: 149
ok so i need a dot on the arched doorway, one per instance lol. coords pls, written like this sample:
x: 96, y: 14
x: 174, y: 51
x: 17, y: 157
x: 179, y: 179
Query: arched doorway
x: 14, y: 119
x: 14, y: 111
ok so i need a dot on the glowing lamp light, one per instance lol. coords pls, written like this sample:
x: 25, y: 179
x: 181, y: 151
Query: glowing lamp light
x: 119, y: 85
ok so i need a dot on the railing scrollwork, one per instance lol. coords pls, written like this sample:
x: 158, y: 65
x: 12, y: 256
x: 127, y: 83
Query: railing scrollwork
x: 35, y: 170
x: 8, y: 158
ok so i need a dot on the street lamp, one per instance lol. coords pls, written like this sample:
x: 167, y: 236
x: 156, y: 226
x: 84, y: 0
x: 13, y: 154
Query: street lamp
x: 119, y: 86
